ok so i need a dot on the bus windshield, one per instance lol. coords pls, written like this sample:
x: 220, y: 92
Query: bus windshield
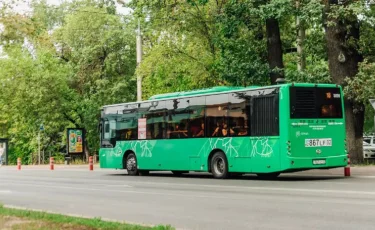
x: 314, y: 102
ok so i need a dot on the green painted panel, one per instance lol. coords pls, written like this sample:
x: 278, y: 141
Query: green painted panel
x: 193, y: 154
x: 311, y: 131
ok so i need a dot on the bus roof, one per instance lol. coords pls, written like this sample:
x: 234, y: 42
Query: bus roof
x: 216, y: 90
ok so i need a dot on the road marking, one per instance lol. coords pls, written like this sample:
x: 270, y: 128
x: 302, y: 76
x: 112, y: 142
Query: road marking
x: 366, y: 177
x: 211, y: 186
x: 145, y: 183
x: 5, y: 192
x: 113, y: 185
x: 228, y: 196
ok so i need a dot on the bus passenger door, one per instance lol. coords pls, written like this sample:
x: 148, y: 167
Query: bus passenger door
x: 108, y: 142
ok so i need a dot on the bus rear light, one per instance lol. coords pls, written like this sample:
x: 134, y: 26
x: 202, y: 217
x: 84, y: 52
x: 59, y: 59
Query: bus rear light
x: 288, y: 147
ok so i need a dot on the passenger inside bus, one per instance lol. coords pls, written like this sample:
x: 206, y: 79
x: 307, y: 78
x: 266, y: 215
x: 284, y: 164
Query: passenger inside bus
x: 201, y: 131
x: 328, y: 111
x: 226, y: 129
x: 222, y: 130
x: 179, y: 131
x: 217, y: 131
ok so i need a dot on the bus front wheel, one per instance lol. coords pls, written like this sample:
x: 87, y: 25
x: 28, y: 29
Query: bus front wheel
x: 219, y: 165
x: 131, y: 164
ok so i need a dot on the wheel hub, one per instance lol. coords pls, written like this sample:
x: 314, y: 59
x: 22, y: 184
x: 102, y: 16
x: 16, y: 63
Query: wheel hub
x: 130, y: 164
x: 219, y: 166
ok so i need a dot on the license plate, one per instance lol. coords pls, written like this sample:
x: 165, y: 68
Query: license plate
x: 319, y: 162
x: 318, y: 142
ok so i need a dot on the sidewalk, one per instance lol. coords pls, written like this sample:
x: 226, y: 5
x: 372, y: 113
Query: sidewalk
x: 354, y: 170
x: 47, y: 166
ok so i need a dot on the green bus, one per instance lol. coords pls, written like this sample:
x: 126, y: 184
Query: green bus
x: 228, y: 131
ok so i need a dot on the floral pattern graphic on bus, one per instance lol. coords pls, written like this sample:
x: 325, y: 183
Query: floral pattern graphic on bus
x: 217, y: 143
x: 117, y: 152
x: 145, y: 146
x: 261, y: 147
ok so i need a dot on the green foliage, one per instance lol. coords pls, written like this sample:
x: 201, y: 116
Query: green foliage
x: 63, y: 63
x: 94, y: 223
x: 62, y: 78
x: 362, y: 87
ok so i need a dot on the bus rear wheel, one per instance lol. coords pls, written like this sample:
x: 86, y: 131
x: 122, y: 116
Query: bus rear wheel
x: 219, y: 165
x: 131, y: 164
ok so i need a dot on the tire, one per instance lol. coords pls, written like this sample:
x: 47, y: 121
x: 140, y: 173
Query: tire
x: 131, y: 165
x: 268, y: 176
x: 219, y: 166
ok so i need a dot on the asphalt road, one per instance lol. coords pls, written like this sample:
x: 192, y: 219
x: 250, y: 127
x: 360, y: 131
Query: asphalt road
x: 197, y: 201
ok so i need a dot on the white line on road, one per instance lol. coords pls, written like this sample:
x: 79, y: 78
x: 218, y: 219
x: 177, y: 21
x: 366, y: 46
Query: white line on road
x: 5, y: 192
x: 230, y: 196
x: 298, y: 190
x: 114, y: 185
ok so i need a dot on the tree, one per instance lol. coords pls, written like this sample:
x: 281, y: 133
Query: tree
x: 78, y: 58
x: 342, y: 37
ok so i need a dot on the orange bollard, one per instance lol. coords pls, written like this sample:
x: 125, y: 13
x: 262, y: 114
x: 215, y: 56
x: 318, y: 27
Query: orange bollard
x: 19, y: 163
x: 51, y: 163
x: 91, y: 163
x: 347, y: 167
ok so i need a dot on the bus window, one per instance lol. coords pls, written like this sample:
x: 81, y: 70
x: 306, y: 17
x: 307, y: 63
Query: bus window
x: 239, y: 114
x: 312, y: 102
x: 216, y: 114
x: 197, y: 117
x: 177, y: 118
x: 106, y: 130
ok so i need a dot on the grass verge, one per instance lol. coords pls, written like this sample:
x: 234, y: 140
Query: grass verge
x: 17, y: 219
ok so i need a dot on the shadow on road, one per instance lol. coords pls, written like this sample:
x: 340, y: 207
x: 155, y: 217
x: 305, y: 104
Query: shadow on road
x: 282, y: 177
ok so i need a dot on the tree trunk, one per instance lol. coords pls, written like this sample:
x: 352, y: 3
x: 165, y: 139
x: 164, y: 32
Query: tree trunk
x: 343, y: 59
x: 274, y: 48
x: 354, y: 130
x: 87, y: 152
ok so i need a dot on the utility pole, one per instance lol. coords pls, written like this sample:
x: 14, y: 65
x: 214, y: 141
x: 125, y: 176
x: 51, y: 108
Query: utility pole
x: 41, y: 128
x: 39, y: 147
x: 139, y: 59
